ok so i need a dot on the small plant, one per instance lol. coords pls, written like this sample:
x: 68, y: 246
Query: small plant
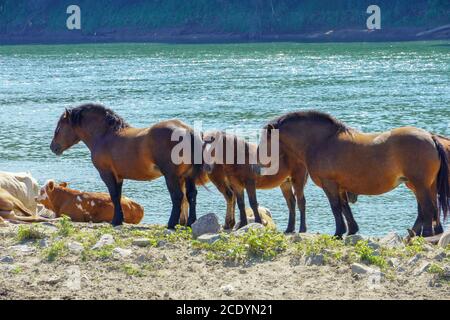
x: 415, y: 246
x: 57, y: 249
x: 32, y: 232
x: 132, y: 270
x: 436, y: 269
x: 65, y: 227
x: 255, y: 243
x: 367, y: 254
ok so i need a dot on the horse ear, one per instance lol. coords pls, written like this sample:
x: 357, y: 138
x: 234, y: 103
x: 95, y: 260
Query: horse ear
x: 66, y: 114
x: 51, y: 185
x: 63, y: 184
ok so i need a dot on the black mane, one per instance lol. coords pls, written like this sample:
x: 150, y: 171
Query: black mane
x: 112, y: 119
x: 312, y: 115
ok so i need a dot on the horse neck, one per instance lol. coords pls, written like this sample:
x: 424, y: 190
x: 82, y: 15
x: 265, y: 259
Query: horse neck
x: 90, y: 134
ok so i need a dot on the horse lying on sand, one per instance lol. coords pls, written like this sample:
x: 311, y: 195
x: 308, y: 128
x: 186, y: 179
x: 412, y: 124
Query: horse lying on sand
x: 13, y: 210
x: 340, y: 159
x: 22, y: 186
x: 119, y: 152
x: 86, y: 206
x: 232, y: 179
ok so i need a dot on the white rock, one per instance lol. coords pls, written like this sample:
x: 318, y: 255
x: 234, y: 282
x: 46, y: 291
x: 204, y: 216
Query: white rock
x: 23, y: 248
x: 122, y: 253
x: 228, y: 289
x: 209, y: 238
x: 392, y: 240
x: 423, y: 268
x: 7, y: 259
x: 251, y: 226
x: 141, y: 242
x: 43, y: 243
x: 445, y: 240
x: 315, y: 260
x: 353, y: 239
x: 105, y: 240
x: 208, y: 223
x: 414, y: 259
x: 358, y: 268
x: 75, y: 247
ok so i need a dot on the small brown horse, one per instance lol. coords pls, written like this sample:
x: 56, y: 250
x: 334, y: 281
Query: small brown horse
x: 119, y: 151
x: 340, y: 159
x: 231, y: 179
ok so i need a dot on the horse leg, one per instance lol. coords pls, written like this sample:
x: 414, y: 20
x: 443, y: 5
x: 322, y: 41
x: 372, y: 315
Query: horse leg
x: 428, y: 210
x: 332, y: 192
x: 286, y: 189
x: 250, y: 186
x: 351, y: 223
x: 176, y: 195
x: 115, y: 192
x: 230, y: 198
x: 239, y: 193
x: 191, y: 193
x: 299, y: 181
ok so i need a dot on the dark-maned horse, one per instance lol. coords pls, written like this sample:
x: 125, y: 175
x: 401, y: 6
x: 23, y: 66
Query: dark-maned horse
x: 231, y: 179
x: 119, y: 151
x: 340, y: 159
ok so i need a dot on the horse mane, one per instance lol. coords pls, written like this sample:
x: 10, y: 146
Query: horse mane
x: 113, y: 120
x: 311, y: 115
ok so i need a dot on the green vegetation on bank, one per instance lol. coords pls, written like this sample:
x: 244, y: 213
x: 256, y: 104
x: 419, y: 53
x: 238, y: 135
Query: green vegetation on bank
x: 254, y: 17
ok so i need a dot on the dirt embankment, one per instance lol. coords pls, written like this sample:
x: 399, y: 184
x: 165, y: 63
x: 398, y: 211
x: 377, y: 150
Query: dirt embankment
x: 85, y: 261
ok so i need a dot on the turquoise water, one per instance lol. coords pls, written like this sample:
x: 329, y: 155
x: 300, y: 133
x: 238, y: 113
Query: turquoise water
x: 371, y: 87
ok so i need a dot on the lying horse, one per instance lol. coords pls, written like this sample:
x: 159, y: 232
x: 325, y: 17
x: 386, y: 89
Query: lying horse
x: 232, y: 179
x: 86, y: 206
x: 340, y: 159
x: 13, y: 210
x: 119, y: 152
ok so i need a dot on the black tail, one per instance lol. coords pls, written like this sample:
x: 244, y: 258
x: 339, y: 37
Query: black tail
x: 442, y: 179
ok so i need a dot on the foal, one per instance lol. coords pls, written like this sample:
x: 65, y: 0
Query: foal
x: 232, y: 179
x: 119, y: 152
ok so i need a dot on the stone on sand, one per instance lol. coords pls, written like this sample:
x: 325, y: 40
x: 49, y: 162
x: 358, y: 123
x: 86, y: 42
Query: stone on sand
x: 208, y: 223
x: 105, y: 240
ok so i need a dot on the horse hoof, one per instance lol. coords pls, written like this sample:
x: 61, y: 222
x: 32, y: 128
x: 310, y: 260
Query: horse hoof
x: 289, y: 230
x: 338, y: 236
x: 438, y: 229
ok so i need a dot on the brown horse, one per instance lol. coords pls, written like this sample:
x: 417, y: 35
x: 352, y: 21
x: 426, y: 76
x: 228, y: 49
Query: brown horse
x: 119, y: 151
x: 341, y: 159
x: 231, y: 179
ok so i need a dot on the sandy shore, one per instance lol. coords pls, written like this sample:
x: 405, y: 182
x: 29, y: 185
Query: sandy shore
x: 76, y: 261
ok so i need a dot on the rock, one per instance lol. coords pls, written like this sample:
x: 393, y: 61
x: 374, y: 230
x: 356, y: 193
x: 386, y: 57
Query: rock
x: 43, y: 243
x: 251, y: 226
x: 23, y: 248
x: 315, y: 260
x: 440, y: 256
x: 358, y: 268
x: 209, y: 238
x: 208, y: 223
x: 7, y: 267
x: 393, y: 262
x: 265, y: 214
x: 122, y: 253
x: 423, y: 268
x: 75, y: 247
x: 392, y: 240
x: 161, y: 243
x: 168, y: 232
x: 372, y: 244
x: 7, y: 259
x: 445, y: 240
x: 141, y: 242
x: 414, y: 259
x: 228, y: 289
x: 353, y: 239
x: 105, y: 240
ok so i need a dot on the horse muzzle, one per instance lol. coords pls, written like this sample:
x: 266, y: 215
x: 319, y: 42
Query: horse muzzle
x: 56, y: 148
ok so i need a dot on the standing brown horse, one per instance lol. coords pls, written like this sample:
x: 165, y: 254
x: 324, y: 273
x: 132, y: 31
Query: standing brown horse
x: 119, y: 151
x: 231, y: 179
x: 341, y: 159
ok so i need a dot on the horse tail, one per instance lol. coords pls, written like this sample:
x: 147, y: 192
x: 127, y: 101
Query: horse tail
x: 198, y: 173
x: 443, y: 184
